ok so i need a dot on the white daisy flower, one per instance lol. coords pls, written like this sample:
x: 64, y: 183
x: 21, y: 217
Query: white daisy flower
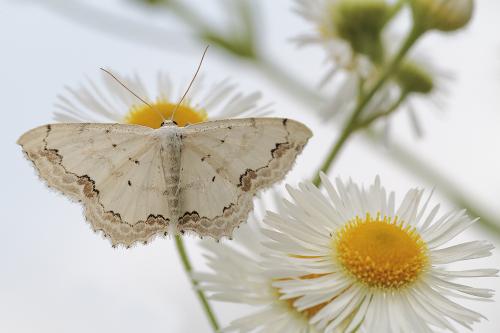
x: 111, y: 102
x: 364, y: 265
x: 349, y: 30
x: 324, y: 32
x: 238, y: 277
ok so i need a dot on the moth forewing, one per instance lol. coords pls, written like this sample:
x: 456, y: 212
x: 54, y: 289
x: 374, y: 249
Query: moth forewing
x: 229, y: 161
x: 114, y: 170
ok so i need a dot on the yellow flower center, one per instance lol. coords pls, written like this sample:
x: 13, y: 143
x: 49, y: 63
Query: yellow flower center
x: 381, y: 253
x: 150, y: 115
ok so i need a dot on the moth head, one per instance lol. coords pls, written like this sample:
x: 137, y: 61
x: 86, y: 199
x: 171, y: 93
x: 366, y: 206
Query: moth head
x: 169, y: 122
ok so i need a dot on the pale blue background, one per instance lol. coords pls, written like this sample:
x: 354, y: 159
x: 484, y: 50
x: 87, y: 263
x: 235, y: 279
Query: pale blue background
x: 57, y: 276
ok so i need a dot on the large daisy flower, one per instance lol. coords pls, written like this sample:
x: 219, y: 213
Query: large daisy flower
x: 114, y: 103
x: 362, y: 264
x: 238, y: 277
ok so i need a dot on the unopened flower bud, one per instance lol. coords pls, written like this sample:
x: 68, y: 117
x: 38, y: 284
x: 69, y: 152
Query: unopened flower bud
x: 414, y: 78
x: 360, y: 22
x: 444, y: 15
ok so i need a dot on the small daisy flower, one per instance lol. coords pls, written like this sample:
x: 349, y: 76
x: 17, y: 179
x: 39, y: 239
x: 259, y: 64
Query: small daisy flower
x: 323, y: 32
x: 238, y: 277
x: 349, y: 30
x: 111, y: 102
x: 359, y: 263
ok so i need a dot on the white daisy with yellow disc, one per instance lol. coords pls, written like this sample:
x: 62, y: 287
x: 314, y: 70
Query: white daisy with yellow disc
x: 110, y: 102
x: 352, y: 261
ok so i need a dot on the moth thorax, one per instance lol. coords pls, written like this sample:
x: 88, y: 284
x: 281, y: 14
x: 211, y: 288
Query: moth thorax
x: 170, y: 152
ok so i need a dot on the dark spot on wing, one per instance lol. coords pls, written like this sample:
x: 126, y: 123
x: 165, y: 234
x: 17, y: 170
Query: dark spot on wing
x: 213, y: 179
x: 129, y: 183
x: 114, y: 145
x: 205, y: 157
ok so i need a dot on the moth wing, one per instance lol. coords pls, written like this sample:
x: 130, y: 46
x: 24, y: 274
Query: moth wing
x: 224, y: 163
x: 114, y: 170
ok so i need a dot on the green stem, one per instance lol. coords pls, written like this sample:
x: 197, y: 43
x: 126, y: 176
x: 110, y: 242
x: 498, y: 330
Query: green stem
x: 179, y: 243
x: 388, y: 72
x: 396, y: 8
x: 366, y: 122
x: 346, y: 133
x: 352, y: 124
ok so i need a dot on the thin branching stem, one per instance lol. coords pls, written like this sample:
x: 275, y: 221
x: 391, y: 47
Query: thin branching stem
x: 370, y: 119
x: 352, y: 123
x: 181, y: 249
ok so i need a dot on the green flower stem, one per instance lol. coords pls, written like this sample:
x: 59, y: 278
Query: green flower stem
x: 396, y: 8
x: 352, y: 123
x: 387, y: 73
x: 179, y: 243
x: 366, y: 122
x: 346, y: 133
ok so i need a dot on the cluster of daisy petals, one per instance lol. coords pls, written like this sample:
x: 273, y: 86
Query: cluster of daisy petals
x: 348, y: 259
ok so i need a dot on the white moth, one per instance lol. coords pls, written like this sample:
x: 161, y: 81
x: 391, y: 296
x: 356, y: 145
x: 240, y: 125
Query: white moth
x: 136, y: 182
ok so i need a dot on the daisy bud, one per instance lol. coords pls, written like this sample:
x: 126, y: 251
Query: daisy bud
x: 360, y: 22
x: 444, y: 15
x: 414, y: 78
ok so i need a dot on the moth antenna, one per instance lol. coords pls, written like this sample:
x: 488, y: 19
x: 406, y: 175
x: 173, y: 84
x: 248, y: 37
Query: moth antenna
x: 190, y: 83
x: 130, y: 90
